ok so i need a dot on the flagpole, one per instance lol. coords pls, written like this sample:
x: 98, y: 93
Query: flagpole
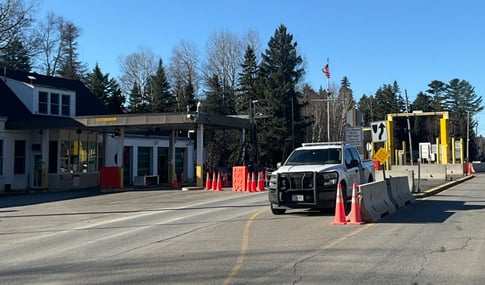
x: 328, y: 103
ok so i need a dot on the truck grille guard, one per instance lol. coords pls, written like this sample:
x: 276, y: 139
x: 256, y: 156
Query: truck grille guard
x: 308, y: 184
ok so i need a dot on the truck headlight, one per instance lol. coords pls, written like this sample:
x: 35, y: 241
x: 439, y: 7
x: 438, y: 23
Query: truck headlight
x: 330, y: 178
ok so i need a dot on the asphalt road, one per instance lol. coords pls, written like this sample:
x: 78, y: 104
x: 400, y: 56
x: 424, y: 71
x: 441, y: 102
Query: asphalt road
x: 206, y: 237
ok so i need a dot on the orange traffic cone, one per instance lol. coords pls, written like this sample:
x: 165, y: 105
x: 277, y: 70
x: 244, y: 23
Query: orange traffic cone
x: 355, y: 215
x: 214, y: 181
x: 340, y: 218
x: 248, y: 183
x: 208, y: 185
x: 469, y: 168
x: 253, y: 182
x: 260, y: 185
x: 219, y: 182
x: 175, y: 183
x: 225, y: 180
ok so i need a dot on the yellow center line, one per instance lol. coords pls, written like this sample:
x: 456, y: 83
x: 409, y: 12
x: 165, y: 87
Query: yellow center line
x: 245, y: 241
x: 337, y: 241
x: 244, y: 248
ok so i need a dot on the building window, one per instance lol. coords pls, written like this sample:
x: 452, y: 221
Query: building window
x: 43, y: 102
x: 53, y: 156
x: 66, y: 105
x: 19, y: 161
x: 1, y: 157
x: 144, y: 161
x: 79, y: 153
x: 54, y: 104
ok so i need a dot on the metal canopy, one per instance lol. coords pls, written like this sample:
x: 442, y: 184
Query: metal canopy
x: 154, y: 122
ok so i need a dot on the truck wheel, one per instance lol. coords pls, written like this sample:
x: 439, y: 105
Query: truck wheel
x: 277, y: 211
x: 371, y: 179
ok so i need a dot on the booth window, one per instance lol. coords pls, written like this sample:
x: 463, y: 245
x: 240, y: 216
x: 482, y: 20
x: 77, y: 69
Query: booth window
x: 54, y: 104
x: 53, y: 156
x: 19, y: 162
x: 66, y: 105
x: 79, y: 153
x: 43, y: 102
x: 144, y: 160
x: 1, y: 157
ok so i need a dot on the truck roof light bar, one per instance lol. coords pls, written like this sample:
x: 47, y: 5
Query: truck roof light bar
x: 322, y: 143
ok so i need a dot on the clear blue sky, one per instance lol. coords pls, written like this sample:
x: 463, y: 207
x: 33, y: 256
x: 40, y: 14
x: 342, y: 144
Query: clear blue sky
x: 371, y: 42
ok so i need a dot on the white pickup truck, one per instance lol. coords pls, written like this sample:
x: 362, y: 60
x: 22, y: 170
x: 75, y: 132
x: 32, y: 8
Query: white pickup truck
x: 310, y: 175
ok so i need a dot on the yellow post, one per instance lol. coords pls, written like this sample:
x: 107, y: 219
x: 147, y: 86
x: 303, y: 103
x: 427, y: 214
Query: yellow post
x: 200, y: 171
x: 390, y: 141
x: 438, y: 151
x: 45, y: 178
x: 462, y: 151
x: 444, y: 139
x: 453, y: 151
x: 404, y: 151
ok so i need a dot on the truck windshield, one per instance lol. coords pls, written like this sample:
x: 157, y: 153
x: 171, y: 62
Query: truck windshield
x: 314, y: 156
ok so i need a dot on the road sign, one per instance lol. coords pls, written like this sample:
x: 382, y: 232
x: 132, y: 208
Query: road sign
x: 382, y: 155
x: 354, y: 136
x: 379, y: 131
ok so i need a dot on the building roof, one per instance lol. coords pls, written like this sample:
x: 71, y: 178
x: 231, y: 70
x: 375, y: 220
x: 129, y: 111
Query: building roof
x: 92, y: 114
x: 20, y: 117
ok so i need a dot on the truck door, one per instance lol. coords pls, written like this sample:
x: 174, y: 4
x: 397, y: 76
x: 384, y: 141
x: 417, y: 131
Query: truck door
x: 362, y: 175
x: 352, y: 165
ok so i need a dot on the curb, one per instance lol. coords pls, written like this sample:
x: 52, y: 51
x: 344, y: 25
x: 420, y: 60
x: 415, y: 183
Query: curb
x: 442, y: 187
x: 192, y: 188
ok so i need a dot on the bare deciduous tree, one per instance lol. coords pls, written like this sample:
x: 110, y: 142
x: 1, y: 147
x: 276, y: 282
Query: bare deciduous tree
x: 183, y: 73
x: 15, y: 16
x: 136, y: 69
x: 50, y: 44
x: 224, y: 57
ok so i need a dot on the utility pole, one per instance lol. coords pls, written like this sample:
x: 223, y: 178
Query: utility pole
x: 326, y: 71
x: 468, y: 137
x: 409, y: 129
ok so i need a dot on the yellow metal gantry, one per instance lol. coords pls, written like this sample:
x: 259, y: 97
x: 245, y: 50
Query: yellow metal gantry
x: 442, y: 151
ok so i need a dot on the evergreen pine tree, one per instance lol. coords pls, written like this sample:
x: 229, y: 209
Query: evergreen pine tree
x: 461, y: 101
x: 424, y: 128
x: 70, y: 66
x: 97, y: 82
x: 116, y: 100
x: 107, y: 90
x: 386, y: 101
x: 247, y: 87
x: 185, y: 95
x: 279, y: 73
x: 15, y: 56
x: 436, y: 90
x: 163, y: 100
x: 366, y: 106
x: 135, y: 100
x: 214, y: 96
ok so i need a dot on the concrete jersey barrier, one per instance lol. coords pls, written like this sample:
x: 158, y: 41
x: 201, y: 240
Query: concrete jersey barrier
x: 399, y: 193
x: 375, y: 201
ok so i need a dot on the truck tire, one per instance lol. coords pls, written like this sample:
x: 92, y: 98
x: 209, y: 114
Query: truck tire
x: 277, y: 211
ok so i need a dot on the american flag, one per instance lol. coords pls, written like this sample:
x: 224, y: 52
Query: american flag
x: 326, y: 70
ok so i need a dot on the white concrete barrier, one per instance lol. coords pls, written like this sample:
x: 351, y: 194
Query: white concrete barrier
x: 375, y: 201
x: 399, y: 191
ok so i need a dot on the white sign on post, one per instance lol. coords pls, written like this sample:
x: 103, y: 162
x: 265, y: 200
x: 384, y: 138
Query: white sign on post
x: 354, y: 136
x: 379, y: 131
